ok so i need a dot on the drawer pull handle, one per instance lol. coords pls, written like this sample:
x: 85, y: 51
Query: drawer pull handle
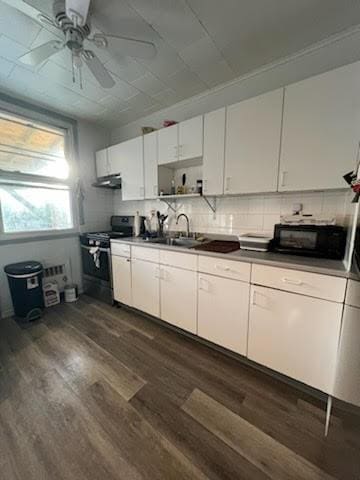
x: 226, y: 269
x: 292, y: 281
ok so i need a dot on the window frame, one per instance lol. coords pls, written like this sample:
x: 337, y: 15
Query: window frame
x: 41, y: 117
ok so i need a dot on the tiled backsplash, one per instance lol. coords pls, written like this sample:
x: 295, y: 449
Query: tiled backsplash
x: 241, y: 214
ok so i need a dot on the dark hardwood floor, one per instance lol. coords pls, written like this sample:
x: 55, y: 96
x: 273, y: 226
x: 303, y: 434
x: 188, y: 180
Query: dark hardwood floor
x: 95, y: 392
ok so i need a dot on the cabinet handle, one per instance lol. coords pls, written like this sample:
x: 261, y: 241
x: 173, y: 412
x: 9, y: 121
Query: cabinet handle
x: 155, y: 190
x: 180, y: 150
x: 205, y: 186
x: 292, y: 281
x: 176, y: 148
x: 128, y: 260
x: 162, y: 274
x: 202, y: 285
x: 227, y: 184
x: 283, y: 178
x: 253, y: 297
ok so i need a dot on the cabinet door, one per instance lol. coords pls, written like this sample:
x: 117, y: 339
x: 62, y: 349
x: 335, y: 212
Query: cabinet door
x: 347, y: 383
x: 252, y: 149
x: 102, y: 165
x: 145, y: 287
x: 168, y: 145
x: 126, y: 158
x: 223, y: 307
x: 151, y: 165
x: 178, y: 297
x: 295, y: 335
x: 121, y: 274
x: 191, y: 138
x: 321, y: 130
x: 214, y: 150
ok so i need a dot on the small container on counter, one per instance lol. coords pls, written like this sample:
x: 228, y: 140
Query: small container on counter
x: 256, y: 242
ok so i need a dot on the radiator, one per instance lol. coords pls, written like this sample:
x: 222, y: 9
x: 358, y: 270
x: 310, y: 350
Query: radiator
x: 59, y: 272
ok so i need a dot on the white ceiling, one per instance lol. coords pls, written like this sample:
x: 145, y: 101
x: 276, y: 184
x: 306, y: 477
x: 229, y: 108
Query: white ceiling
x: 200, y: 43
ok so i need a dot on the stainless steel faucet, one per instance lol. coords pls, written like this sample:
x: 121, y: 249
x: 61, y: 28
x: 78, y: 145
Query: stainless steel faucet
x: 187, y: 222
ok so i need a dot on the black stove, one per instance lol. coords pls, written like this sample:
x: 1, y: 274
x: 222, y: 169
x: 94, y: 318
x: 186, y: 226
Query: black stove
x: 96, y: 257
x: 122, y: 227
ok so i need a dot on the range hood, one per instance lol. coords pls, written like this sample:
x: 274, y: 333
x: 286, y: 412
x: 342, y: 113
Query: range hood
x: 109, y: 181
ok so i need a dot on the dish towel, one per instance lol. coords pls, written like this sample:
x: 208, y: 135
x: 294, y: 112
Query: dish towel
x: 95, y: 252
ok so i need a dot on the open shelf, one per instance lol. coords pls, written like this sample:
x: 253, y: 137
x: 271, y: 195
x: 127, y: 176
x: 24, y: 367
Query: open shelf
x: 168, y: 199
x: 177, y: 196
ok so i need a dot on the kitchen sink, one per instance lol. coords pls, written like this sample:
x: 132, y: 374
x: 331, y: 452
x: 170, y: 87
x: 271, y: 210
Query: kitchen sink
x: 184, y: 242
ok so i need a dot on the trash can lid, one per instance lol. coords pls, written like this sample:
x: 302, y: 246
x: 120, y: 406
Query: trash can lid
x: 23, y: 268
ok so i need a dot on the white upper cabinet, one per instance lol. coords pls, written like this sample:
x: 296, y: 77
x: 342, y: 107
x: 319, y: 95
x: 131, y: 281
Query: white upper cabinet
x: 214, y: 150
x: 191, y: 138
x: 102, y: 163
x: 126, y: 158
x: 182, y: 141
x: 252, y: 148
x: 150, y: 165
x: 321, y: 130
x: 168, y: 145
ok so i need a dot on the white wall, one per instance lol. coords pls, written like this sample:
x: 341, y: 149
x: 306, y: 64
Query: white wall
x: 98, y: 203
x: 98, y: 207
x: 327, y: 55
x: 243, y: 214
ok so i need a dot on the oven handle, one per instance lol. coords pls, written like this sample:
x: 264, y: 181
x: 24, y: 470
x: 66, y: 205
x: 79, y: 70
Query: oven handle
x: 107, y: 250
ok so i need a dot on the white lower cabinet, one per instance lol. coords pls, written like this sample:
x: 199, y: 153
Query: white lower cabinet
x: 145, y: 287
x: 295, y: 335
x: 223, y: 307
x: 121, y: 273
x: 178, y: 297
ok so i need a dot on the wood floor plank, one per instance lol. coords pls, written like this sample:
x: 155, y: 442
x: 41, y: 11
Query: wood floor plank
x: 85, y: 350
x: 95, y: 392
x: 150, y: 453
x: 126, y: 317
x: 273, y: 458
x: 212, y: 455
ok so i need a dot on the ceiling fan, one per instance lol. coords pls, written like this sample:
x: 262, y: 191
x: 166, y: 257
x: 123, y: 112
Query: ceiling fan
x: 72, y: 17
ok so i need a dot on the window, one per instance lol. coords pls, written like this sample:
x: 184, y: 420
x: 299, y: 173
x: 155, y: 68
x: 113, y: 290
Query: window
x: 35, y: 193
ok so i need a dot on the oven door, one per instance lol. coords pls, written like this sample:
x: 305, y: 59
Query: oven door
x: 102, y: 271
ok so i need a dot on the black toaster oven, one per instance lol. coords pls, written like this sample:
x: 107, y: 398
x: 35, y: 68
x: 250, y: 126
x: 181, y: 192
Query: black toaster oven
x: 323, y: 241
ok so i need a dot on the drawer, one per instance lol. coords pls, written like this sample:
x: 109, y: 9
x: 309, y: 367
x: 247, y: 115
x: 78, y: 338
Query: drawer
x: 120, y: 249
x: 305, y: 283
x: 181, y: 260
x: 145, y: 253
x: 353, y: 293
x: 225, y: 268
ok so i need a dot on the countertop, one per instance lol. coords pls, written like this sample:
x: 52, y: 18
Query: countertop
x: 307, y: 264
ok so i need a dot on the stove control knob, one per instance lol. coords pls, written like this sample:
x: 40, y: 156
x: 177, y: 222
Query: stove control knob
x: 97, y: 243
x: 91, y: 242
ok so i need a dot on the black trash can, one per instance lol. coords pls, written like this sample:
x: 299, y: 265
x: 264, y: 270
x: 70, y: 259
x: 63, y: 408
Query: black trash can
x: 25, y: 282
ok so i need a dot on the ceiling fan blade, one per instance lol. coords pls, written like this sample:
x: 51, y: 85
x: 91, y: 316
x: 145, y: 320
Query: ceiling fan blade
x: 77, y: 11
x: 42, y: 53
x: 42, y: 6
x: 97, y: 69
x: 130, y: 47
